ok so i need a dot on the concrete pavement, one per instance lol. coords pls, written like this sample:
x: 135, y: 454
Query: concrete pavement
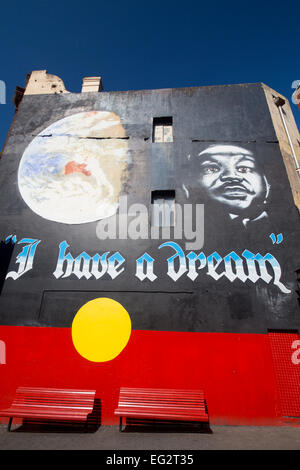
x: 109, y: 438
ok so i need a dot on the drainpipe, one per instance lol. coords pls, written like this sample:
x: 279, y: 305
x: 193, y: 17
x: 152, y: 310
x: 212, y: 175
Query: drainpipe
x: 279, y: 103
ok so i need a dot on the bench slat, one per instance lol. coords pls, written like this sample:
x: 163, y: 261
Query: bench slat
x: 176, y: 404
x: 166, y: 416
x: 45, y: 403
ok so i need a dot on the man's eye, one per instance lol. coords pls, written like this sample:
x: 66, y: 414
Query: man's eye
x: 208, y: 170
x: 244, y: 169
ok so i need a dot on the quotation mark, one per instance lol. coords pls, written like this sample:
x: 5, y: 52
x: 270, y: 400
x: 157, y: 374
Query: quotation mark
x: 276, y: 238
x: 10, y: 238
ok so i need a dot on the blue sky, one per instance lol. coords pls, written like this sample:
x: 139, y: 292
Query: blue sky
x: 147, y: 45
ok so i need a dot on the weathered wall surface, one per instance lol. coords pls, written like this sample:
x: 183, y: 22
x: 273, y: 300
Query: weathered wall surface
x: 222, y: 297
x: 284, y: 144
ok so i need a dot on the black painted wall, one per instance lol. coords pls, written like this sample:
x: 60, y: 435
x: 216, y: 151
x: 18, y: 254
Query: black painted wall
x: 204, y: 116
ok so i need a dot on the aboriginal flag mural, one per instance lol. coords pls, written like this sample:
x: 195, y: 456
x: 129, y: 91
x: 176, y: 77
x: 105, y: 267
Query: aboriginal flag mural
x: 125, y: 253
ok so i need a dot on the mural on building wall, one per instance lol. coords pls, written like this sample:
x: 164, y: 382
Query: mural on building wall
x: 241, y: 190
x: 101, y: 329
x: 72, y: 171
x: 248, y: 266
x: 231, y: 177
x: 72, y: 179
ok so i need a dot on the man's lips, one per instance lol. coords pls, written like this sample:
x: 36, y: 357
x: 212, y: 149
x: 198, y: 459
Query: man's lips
x: 233, y: 191
x: 235, y: 187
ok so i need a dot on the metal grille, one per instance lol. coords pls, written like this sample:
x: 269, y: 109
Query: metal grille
x: 287, y: 373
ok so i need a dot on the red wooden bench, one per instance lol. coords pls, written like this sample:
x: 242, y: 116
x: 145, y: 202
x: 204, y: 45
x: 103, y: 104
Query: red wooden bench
x: 50, y: 404
x: 162, y: 404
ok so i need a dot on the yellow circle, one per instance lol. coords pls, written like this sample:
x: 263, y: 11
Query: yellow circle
x: 101, y: 329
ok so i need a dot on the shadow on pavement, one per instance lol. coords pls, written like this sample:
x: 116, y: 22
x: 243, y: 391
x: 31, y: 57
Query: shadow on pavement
x: 155, y: 426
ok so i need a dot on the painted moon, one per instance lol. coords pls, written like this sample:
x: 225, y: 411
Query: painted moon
x: 72, y: 171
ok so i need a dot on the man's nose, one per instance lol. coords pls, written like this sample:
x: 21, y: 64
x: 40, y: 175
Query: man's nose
x: 230, y: 173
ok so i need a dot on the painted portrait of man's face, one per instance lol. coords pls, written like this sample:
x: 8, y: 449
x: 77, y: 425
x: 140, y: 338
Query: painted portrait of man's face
x: 230, y: 175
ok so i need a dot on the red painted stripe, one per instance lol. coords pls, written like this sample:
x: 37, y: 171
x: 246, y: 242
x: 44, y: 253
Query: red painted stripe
x: 236, y: 371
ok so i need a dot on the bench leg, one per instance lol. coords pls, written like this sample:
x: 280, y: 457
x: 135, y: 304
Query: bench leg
x: 9, y: 424
x: 86, y: 425
x: 120, y: 425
